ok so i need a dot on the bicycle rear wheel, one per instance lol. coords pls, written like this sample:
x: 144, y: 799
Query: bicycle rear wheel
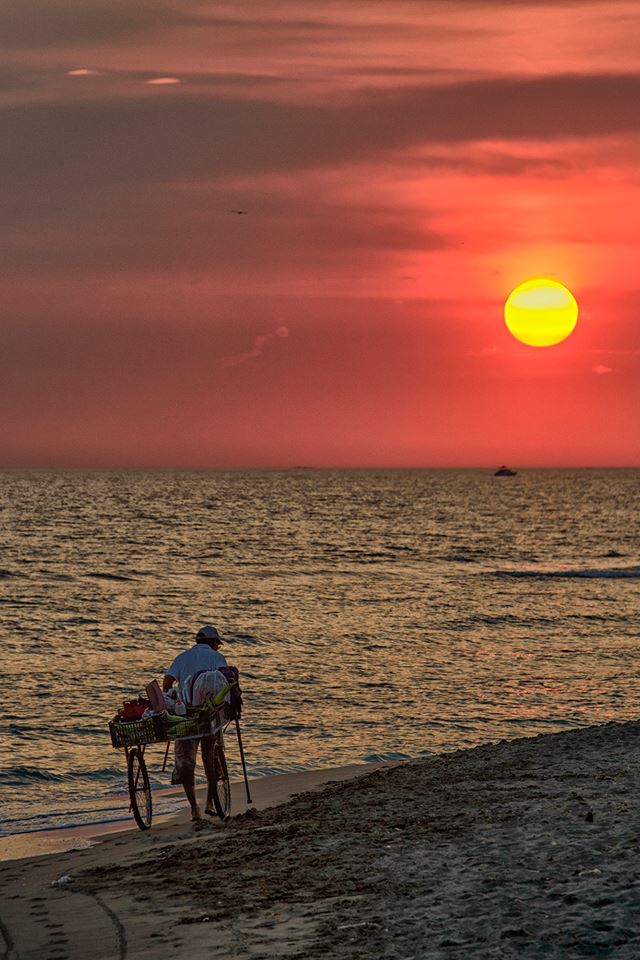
x: 139, y: 788
x: 222, y: 789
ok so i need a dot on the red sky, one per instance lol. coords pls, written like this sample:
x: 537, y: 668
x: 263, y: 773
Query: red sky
x: 403, y: 164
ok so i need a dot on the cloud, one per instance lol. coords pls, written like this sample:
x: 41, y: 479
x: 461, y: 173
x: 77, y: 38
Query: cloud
x: 187, y: 227
x: 218, y: 82
x: 163, y: 81
x: 83, y: 72
x: 12, y: 79
x: 185, y: 137
x: 602, y: 370
x: 45, y: 23
x: 484, y: 352
x: 256, y: 351
x: 616, y: 353
x: 496, y: 160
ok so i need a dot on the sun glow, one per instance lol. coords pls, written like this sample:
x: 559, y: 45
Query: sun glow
x: 541, y: 312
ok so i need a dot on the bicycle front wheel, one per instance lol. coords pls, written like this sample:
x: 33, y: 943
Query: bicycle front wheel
x: 222, y: 788
x: 139, y: 788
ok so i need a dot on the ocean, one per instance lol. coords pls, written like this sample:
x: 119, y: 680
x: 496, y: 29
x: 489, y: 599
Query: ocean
x: 372, y: 614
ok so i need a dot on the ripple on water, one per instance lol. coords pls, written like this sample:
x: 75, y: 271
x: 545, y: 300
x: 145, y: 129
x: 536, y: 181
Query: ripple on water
x: 372, y: 614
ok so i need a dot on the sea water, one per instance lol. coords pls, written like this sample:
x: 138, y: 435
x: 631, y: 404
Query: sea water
x: 372, y: 614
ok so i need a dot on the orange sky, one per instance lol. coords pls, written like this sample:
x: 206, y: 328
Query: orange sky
x: 403, y: 166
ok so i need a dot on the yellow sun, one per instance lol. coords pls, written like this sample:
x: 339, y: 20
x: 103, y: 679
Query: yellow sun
x: 541, y: 312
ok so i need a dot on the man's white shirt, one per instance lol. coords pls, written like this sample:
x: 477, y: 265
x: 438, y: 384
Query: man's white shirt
x: 199, y: 657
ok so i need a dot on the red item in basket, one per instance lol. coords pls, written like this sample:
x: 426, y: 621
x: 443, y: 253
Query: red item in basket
x: 133, y: 709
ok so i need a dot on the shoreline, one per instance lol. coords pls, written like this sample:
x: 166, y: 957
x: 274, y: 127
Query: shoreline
x: 524, y: 848
x: 265, y: 791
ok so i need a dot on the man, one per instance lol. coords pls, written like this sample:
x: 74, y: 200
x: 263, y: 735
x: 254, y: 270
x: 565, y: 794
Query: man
x: 202, y: 658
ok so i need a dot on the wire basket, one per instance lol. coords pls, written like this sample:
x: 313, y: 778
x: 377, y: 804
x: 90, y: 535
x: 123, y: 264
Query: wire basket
x: 196, y: 725
x: 163, y: 726
x: 130, y: 733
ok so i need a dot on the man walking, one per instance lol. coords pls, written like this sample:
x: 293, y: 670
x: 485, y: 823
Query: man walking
x: 187, y: 667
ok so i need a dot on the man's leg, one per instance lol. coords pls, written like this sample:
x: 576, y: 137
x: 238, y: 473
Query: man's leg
x: 184, y: 773
x: 209, y: 769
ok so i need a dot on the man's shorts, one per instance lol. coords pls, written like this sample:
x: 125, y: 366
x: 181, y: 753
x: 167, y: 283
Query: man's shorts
x: 186, y: 753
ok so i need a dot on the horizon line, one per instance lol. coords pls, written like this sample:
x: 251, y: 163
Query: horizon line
x: 284, y: 468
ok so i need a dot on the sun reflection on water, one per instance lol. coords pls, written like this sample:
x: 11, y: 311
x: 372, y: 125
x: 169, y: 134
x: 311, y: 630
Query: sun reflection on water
x: 372, y: 614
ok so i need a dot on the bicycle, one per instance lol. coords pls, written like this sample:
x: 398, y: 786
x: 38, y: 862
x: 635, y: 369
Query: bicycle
x: 135, y: 735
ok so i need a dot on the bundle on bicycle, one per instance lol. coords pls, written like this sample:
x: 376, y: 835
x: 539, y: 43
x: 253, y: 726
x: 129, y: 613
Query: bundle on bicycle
x: 163, y: 717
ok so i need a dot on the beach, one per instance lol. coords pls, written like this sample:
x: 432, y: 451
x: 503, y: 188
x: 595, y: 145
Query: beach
x: 521, y: 848
x: 425, y: 634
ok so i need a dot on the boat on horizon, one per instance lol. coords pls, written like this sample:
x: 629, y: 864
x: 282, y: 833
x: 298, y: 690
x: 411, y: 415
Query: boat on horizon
x: 505, y: 472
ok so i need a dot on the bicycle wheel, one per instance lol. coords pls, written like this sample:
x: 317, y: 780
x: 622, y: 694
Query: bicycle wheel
x: 139, y: 788
x: 222, y: 790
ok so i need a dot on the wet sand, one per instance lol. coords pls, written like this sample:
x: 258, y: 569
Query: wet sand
x: 265, y: 791
x: 526, y: 849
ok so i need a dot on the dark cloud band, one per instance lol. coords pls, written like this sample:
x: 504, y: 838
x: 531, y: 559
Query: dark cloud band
x: 171, y: 137
x: 33, y: 24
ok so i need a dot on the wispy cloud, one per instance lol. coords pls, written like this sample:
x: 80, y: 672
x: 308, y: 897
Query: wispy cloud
x: 140, y: 140
x: 257, y: 349
x: 609, y: 352
x: 602, y: 370
x: 484, y: 352
x: 44, y: 23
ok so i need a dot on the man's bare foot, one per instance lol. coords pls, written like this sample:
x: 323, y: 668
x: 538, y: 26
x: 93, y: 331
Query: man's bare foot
x: 195, y: 814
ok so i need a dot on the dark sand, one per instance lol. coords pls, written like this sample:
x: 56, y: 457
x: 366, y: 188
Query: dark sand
x: 520, y: 849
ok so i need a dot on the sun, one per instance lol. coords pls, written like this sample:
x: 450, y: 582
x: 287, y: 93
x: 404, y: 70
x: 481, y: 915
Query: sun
x: 541, y: 312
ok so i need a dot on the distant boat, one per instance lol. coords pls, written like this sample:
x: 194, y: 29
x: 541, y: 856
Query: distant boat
x: 505, y: 472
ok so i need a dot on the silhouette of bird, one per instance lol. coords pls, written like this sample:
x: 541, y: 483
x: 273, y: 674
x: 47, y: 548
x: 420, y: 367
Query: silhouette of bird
x: 243, y: 212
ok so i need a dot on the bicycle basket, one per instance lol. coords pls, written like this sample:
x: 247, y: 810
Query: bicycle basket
x: 197, y: 725
x: 130, y: 733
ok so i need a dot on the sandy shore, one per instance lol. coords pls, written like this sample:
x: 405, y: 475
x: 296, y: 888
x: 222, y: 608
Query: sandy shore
x: 521, y: 849
x: 265, y: 792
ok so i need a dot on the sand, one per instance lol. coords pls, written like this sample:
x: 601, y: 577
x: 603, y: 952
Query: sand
x: 520, y: 849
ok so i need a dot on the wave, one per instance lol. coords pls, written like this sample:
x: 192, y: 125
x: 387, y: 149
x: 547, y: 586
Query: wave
x: 276, y: 770
x: 9, y: 602
x: 391, y: 553
x: 231, y: 637
x: 584, y: 573
x: 83, y: 816
x: 97, y: 575
x: 385, y: 757
x: 19, y: 776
